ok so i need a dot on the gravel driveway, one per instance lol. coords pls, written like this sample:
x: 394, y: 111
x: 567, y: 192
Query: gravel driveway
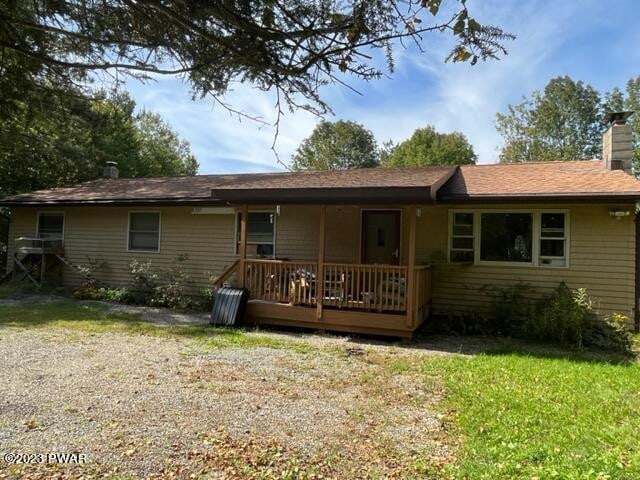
x: 162, y: 407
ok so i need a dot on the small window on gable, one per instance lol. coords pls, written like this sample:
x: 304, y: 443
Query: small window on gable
x: 51, y: 225
x: 144, y: 231
x: 260, y: 234
x: 462, y: 238
x: 553, y: 239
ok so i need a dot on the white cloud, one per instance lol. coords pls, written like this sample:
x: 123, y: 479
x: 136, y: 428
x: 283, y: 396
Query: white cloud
x: 422, y: 91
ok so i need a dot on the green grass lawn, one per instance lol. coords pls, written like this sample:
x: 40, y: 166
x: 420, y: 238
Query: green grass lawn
x: 516, y: 414
x: 524, y: 416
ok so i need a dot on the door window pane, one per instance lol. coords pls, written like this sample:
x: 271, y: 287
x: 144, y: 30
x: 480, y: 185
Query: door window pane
x: 506, y: 237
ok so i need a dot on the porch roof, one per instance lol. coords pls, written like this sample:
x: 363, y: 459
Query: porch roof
x: 365, y: 185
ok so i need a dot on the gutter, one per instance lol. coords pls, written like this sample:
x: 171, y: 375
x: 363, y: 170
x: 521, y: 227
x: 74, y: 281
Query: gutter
x: 111, y: 203
x: 541, y: 197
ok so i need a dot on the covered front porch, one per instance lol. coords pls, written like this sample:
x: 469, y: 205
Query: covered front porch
x: 385, y: 293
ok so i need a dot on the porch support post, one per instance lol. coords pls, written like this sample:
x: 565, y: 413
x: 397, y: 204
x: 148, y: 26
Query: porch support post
x: 411, y: 268
x: 320, y: 270
x: 244, y: 221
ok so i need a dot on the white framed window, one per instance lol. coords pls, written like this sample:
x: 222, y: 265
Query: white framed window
x: 553, y: 239
x: 50, y: 225
x: 143, y: 234
x: 534, y: 237
x: 462, y: 237
x: 261, y: 234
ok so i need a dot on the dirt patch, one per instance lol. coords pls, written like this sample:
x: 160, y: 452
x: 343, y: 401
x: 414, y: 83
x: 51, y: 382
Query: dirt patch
x: 147, y: 407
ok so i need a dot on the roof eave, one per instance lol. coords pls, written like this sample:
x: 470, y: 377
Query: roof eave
x: 328, y: 196
x: 111, y: 202
x: 542, y: 197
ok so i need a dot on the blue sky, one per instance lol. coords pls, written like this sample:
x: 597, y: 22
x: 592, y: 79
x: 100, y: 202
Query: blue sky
x: 591, y: 40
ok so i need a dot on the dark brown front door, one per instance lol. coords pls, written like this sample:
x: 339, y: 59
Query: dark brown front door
x: 381, y: 236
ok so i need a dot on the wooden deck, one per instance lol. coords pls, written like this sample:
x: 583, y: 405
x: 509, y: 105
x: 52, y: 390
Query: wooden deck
x: 389, y: 300
x: 355, y: 297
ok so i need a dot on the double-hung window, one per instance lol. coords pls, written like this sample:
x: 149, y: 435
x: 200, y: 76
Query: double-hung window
x: 51, y: 225
x: 144, y: 231
x: 553, y: 239
x: 462, y: 238
x: 260, y: 234
x: 517, y: 237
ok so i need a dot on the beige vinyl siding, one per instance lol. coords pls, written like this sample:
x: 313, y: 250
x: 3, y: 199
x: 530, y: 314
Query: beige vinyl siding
x: 100, y: 234
x: 297, y: 231
x: 23, y: 224
x: 601, y: 259
x: 601, y: 249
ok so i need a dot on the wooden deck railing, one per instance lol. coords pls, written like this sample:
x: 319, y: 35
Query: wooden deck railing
x: 381, y: 288
x: 371, y: 287
x: 423, y: 292
x: 281, y: 281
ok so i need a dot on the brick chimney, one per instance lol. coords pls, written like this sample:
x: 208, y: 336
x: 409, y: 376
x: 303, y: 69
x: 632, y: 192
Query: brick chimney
x: 617, y: 142
x: 110, y: 170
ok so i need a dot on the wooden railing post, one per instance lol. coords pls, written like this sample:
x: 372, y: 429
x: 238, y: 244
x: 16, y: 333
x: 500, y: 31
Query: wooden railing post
x: 244, y: 221
x: 411, y: 268
x: 320, y: 270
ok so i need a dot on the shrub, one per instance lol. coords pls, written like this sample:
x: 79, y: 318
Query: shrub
x: 561, y: 317
x: 119, y: 295
x: 171, y: 286
x: 88, y: 271
x: 203, y: 301
x: 610, y: 334
x: 511, y: 307
x: 565, y: 316
x: 144, y: 282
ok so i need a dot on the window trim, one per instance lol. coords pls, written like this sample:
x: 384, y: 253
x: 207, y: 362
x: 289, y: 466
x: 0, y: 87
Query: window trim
x: 452, y: 214
x: 134, y: 250
x: 566, y: 239
x: 54, y: 212
x: 536, y: 232
x: 236, y: 226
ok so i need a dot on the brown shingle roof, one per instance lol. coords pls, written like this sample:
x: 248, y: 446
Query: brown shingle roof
x: 199, y: 189
x: 124, y: 190
x: 584, y: 179
x: 545, y: 180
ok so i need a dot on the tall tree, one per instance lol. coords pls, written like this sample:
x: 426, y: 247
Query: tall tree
x: 161, y: 151
x: 337, y: 146
x: 56, y: 140
x: 561, y: 123
x: 292, y: 46
x: 429, y: 147
x: 58, y: 136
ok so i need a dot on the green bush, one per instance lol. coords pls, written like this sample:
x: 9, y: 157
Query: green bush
x: 565, y: 316
x: 561, y: 317
x: 143, y: 284
x: 511, y: 307
x: 611, y: 334
x: 203, y: 301
x: 85, y: 292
